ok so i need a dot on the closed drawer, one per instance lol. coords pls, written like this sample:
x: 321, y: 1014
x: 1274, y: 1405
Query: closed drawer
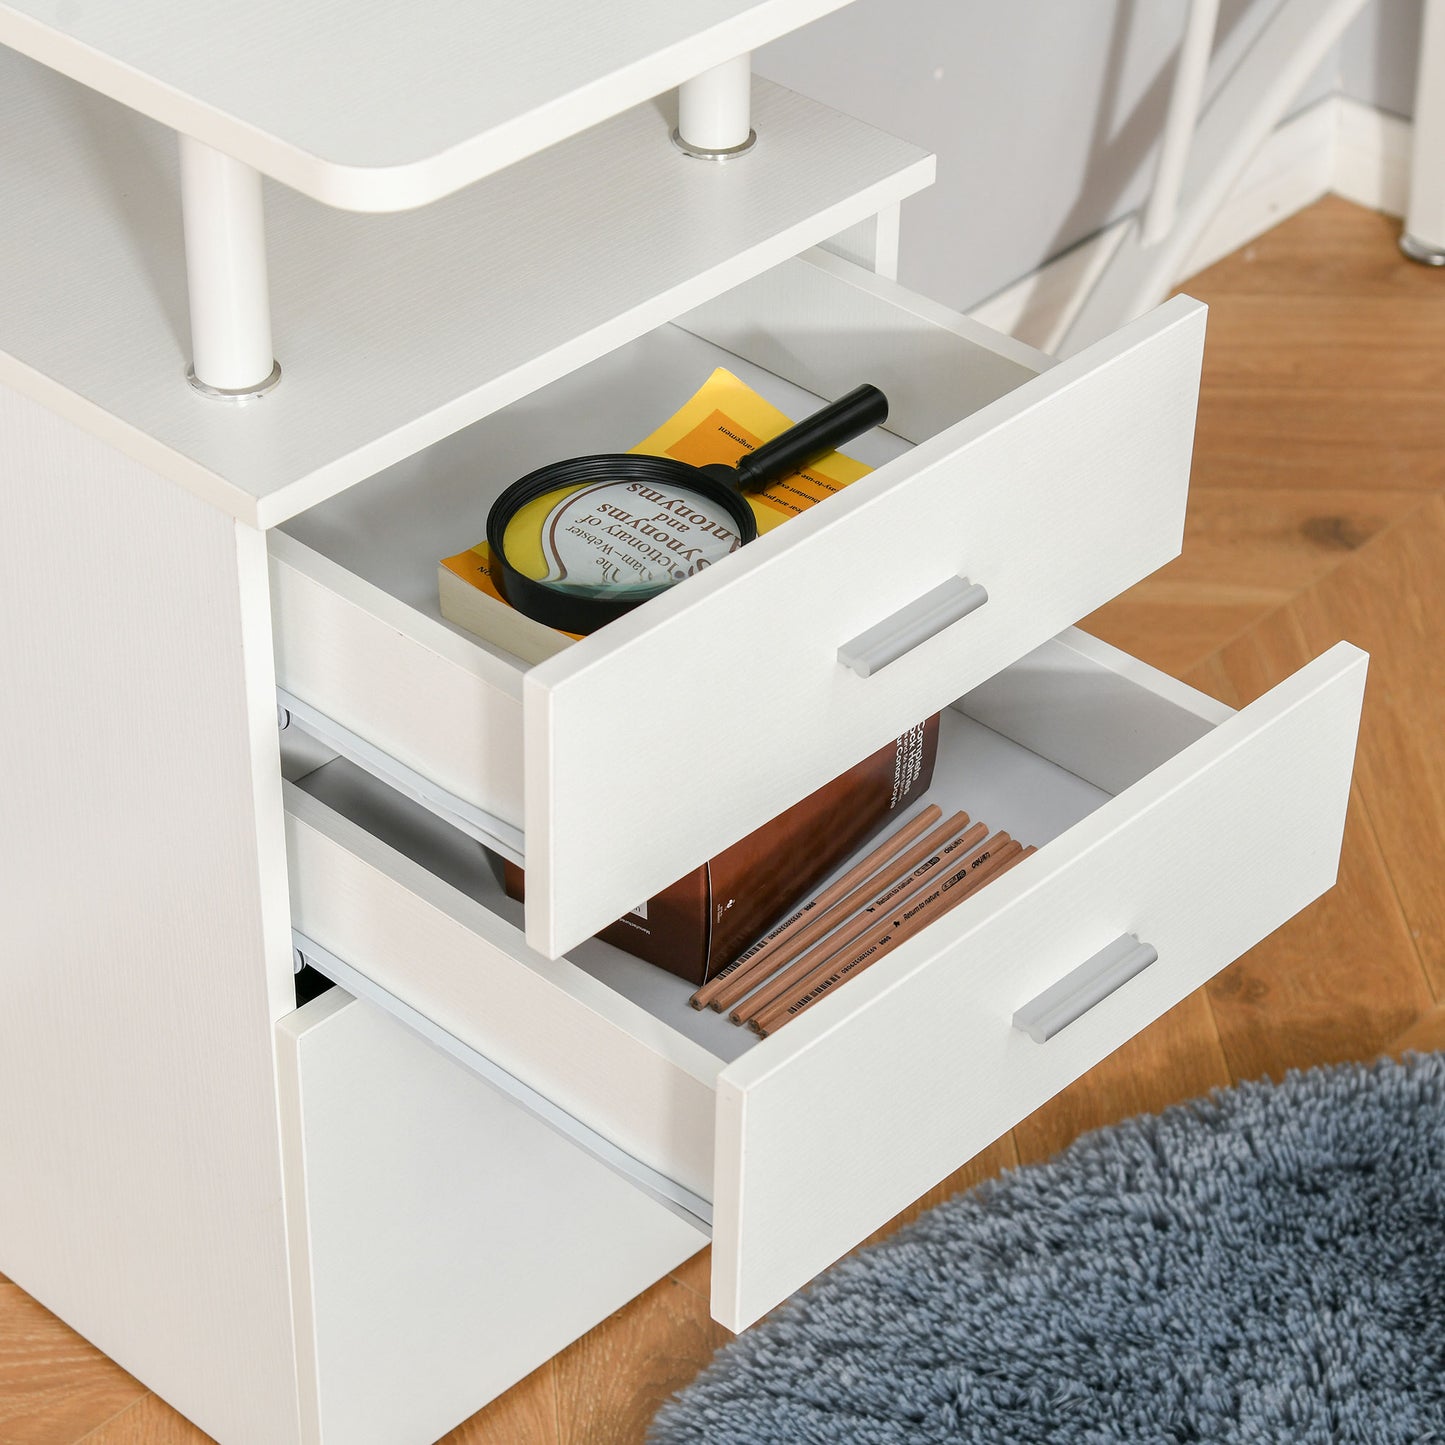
x: 444, y: 1242
x: 1160, y: 815
x: 625, y: 760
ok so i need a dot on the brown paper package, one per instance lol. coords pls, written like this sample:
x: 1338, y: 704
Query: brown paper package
x: 705, y: 919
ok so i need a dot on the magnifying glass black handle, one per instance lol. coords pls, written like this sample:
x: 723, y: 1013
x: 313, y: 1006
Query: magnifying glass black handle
x: 813, y: 437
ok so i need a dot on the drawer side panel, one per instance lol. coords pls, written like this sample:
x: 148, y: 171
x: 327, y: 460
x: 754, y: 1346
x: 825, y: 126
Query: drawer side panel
x: 597, y: 1056
x: 431, y: 699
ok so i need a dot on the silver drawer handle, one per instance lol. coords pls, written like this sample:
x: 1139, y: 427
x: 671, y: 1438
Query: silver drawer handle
x: 1077, y: 992
x: 921, y: 619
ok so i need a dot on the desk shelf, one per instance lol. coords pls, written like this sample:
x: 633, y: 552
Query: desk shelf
x: 381, y: 107
x: 394, y: 331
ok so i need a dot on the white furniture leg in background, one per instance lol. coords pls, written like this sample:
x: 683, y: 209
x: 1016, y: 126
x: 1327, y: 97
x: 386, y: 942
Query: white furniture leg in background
x: 714, y: 111
x: 1190, y: 69
x: 1241, y: 115
x: 225, y: 228
x: 1424, y: 235
x: 145, y: 948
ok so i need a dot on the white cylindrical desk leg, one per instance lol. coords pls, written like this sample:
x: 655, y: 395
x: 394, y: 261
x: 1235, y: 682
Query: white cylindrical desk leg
x: 225, y: 227
x: 1424, y: 237
x: 1183, y: 117
x: 714, y: 109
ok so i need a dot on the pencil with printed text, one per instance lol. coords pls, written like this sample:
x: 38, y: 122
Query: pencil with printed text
x: 868, y: 919
x: 858, y: 924
x: 968, y: 850
x: 926, y: 906
x: 748, y: 963
x: 921, y: 911
x: 983, y: 868
x: 736, y: 987
x: 905, y: 924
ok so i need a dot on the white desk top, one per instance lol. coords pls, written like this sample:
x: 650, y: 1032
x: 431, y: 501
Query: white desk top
x: 376, y: 105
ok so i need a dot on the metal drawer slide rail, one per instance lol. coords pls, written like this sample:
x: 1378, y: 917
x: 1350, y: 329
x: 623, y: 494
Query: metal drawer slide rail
x: 682, y: 1202
x: 487, y: 829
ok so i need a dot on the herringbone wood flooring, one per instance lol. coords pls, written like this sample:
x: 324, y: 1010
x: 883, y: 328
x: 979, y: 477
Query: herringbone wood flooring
x: 1317, y: 512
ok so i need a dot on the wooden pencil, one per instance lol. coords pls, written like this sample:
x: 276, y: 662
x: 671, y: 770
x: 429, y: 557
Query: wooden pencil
x: 862, y: 936
x: 980, y: 869
x: 918, y: 912
x: 859, y: 923
x: 745, y: 980
x: 750, y: 961
x: 906, y: 923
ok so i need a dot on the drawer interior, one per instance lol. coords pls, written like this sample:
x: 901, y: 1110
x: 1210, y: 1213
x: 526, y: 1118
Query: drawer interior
x: 1031, y: 752
x: 391, y: 530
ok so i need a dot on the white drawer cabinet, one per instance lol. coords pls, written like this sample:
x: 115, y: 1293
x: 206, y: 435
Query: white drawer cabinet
x: 1161, y: 814
x: 362, y: 1219
x: 1052, y: 487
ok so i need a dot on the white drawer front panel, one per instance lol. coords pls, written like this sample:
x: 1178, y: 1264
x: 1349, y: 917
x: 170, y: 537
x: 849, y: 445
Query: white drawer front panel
x: 445, y: 1243
x: 867, y: 1101
x: 688, y: 723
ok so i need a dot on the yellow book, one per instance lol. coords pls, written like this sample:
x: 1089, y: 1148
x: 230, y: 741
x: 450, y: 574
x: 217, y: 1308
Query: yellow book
x: 724, y: 419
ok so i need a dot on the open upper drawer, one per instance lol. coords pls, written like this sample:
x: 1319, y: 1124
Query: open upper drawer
x: 632, y: 756
x: 1166, y: 823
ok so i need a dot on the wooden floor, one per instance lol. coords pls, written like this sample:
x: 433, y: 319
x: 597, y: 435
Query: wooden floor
x: 1317, y: 512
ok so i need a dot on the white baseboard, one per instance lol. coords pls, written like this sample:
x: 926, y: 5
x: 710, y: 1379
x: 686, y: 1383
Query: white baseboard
x: 1292, y: 170
x: 1338, y: 146
x: 1372, y: 157
x: 1036, y: 306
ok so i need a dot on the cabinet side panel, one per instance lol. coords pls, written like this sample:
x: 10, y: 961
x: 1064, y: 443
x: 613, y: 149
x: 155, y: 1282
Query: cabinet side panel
x: 143, y: 945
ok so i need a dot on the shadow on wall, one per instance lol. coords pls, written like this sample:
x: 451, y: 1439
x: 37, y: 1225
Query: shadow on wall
x: 1044, y: 113
x: 1121, y: 147
x: 1380, y: 54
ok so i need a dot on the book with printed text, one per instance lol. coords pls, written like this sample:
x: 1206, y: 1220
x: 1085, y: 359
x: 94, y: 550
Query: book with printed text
x: 708, y: 917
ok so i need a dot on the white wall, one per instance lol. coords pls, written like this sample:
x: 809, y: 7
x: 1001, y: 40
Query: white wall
x: 1042, y: 113
x: 1378, y: 55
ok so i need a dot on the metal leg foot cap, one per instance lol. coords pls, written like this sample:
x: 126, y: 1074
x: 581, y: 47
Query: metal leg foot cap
x: 248, y: 393
x: 1422, y: 251
x: 702, y: 154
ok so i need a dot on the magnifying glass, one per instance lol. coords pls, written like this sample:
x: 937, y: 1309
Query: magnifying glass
x: 579, y: 542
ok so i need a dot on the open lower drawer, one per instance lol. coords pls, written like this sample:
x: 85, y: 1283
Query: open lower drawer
x: 1162, y: 816
x: 637, y: 753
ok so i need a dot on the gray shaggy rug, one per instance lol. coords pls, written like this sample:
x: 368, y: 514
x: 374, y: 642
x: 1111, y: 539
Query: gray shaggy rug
x: 1264, y: 1265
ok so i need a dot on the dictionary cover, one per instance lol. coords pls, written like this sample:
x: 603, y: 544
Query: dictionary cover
x: 724, y: 419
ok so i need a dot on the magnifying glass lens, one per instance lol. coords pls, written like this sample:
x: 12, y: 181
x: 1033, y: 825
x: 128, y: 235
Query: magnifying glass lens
x: 615, y: 536
x: 578, y: 543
